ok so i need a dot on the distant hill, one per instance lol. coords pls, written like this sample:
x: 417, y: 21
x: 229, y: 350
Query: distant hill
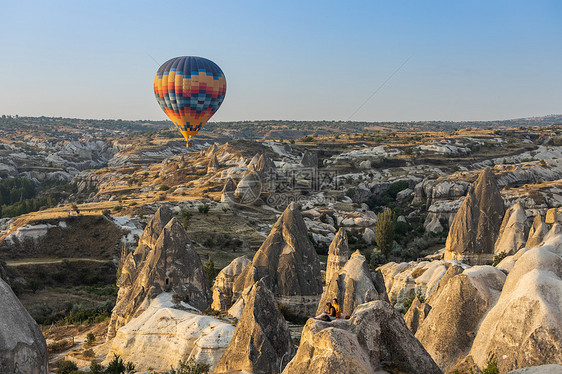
x: 261, y: 129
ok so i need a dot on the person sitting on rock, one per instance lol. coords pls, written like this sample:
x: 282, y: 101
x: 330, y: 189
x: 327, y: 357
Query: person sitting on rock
x: 336, y: 306
x: 329, y: 315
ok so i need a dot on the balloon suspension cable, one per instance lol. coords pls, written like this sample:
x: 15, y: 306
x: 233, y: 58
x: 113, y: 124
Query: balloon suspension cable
x: 380, y: 87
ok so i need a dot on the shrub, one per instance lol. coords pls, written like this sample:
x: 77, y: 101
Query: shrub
x: 67, y: 367
x: 498, y: 258
x: 90, y: 338
x: 59, y: 346
x: 118, y: 366
x: 203, y: 208
x: 89, y: 353
x: 190, y: 367
x: 164, y: 187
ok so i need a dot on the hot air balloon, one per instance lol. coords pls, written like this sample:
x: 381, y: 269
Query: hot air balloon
x: 189, y: 90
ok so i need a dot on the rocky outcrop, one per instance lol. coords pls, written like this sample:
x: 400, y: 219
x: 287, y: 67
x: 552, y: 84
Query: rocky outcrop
x: 264, y: 167
x: 222, y: 288
x: 456, y: 312
x: 227, y: 192
x: 169, y: 265
x: 405, y: 279
x: 353, y: 285
x: 554, y: 215
x: 338, y: 254
x: 248, y: 189
x: 537, y: 232
x: 288, y: 264
x: 513, y: 231
x: 213, y: 165
x: 163, y: 335
x: 309, y: 159
x: 261, y: 340
x: 374, y: 338
x: 476, y: 225
x: 22, y: 346
x: 524, y: 328
x: 155, y: 226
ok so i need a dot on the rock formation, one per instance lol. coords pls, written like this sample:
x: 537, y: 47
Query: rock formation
x: 264, y: 166
x: 288, y: 264
x: 338, y: 254
x: 169, y: 265
x: 309, y: 159
x: 261, y: 340
x: 513, y: 230
x: 248, y: 189
x: 353, y: 285
x: 213, y: 165
x: 537, y: 232
x: 374, y: 338
x: 476, y: 225
x: 227, y: 192
x: 524, y: 328
x: 155, y: 226
x: 405, y: 279
x: 162, y: 335
x: 449, y: 328
x: 22, y: 346
x: 554, y: 215
x: 222, y: 288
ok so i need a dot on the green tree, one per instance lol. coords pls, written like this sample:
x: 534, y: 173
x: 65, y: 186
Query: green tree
x: 384, y: 233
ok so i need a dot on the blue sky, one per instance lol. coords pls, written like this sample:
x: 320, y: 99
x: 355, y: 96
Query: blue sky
x: 302, y: 60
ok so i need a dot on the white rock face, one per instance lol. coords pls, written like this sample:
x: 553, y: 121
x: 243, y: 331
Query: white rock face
x: 368, y: 236
x: 408, y: 278
x: 513, y: 230
x: 524, y: 328
x: 338, y: 254
x: 161, y: 336
x: 537, y: 232
x: 222, y: 288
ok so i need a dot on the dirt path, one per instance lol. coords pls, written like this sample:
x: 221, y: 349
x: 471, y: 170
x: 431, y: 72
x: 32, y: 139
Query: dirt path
x: 40, y: 261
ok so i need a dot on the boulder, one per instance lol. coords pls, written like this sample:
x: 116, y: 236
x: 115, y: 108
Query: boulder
x: 449, y: 328
x: 353, y: 285
x: 537, y: 232
x: 513, y: 230
x: 368, y: 236
x: 476, y: 225
x: 171, y: 265
x: 288, y: 264
x: 338, y: 254
x: 222, y: 288
x: 374, y: 338
x: 163, y: 335
x: 261, y: 341
x: 524, y: 328
x: 22, y: 345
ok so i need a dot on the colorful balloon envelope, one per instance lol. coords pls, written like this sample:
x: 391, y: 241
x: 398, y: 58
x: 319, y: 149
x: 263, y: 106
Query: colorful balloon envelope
x: 189, y: 90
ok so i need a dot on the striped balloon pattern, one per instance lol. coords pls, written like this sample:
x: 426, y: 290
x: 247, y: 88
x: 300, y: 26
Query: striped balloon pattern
x: 189, y: 90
